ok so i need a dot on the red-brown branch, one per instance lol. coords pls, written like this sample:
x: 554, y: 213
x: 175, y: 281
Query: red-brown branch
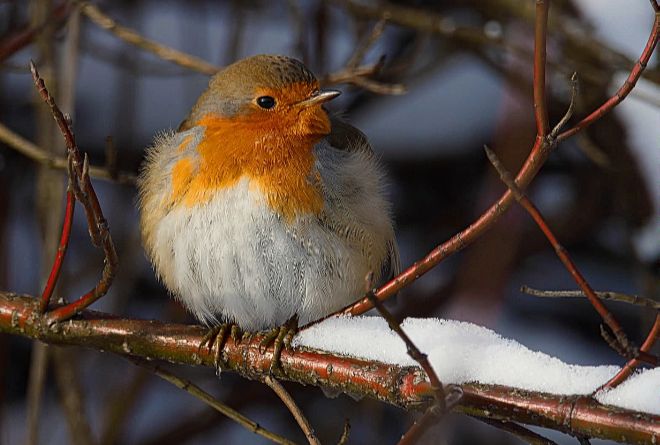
x: 565, y: 258
x: 627, y: 86
x: 22, y: 37
x: 84, y: 192
x: 625, y: 372
x: 540, y: 38
x: 61, y: 251
x: 403, y: 386
x: 537, y: 157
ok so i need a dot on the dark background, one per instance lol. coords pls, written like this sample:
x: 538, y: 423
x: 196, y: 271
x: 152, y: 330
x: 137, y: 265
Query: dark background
x: 599, y: 190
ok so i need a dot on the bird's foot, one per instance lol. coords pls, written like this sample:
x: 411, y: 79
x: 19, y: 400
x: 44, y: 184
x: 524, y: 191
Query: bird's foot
x: 280, y: 338
x: 217, y: 336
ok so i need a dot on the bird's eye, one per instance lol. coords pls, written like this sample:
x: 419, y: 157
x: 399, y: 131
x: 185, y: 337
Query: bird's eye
x: 266, y: 102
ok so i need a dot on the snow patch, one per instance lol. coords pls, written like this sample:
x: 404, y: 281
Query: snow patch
x: 463, y: 352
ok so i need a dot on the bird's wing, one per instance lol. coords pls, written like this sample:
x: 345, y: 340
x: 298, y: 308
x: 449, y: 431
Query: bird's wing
x: 344, y: 136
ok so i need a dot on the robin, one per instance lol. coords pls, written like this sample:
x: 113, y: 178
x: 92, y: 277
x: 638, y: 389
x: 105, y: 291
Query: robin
x: 261, y: 208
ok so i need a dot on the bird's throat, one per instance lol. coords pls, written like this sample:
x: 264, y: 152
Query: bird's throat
x: 277, y: 160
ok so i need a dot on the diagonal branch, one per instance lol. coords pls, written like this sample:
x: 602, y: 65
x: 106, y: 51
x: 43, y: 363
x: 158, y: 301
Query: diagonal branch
x: 609, y: 319
x: 293, y: 408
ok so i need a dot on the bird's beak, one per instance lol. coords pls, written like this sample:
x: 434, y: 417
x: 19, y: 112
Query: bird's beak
x: 319, y: 98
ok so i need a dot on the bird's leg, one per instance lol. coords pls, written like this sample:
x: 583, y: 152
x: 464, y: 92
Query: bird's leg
x: 217, y: 335
x: 280, y: 338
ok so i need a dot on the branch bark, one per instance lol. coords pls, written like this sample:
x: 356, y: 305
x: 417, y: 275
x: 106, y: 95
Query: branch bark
x: 402, y: 386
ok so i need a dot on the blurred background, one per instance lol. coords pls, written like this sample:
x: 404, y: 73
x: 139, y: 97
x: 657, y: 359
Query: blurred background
x: 456, y: 75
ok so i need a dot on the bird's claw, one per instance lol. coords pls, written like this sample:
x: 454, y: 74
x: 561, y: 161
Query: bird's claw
x: 279, y: 338
x: 217, y: 336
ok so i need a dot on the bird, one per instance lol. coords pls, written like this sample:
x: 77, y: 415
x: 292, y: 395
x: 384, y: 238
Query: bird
x: 262, y: 207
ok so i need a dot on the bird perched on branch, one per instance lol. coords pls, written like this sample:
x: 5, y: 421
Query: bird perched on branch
x: 261, y: 207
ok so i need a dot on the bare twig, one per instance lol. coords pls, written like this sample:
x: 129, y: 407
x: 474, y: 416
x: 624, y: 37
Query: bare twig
x: 71, y: 398
x: 132, y: 37
x: 646, y: 347
x: 37, y: 379
x: 627, y: 86
x: 609, y: 319
x: 608, y: 295
x: 519, y: 431
x: 571, y: 106
x: 41, y: 156
x: 365, y: 44
x: 537, y: 156
x: 84, y: 192
x: 297, y: 413
x: 343, y: 439
x: 24, y: 35
x: 205, y: 397
x: 443, y: 401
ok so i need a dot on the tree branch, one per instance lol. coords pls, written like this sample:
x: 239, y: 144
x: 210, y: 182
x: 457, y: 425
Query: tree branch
x: 402, y: 386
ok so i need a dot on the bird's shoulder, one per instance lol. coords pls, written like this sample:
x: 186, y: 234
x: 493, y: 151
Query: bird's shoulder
x: 344, y: 136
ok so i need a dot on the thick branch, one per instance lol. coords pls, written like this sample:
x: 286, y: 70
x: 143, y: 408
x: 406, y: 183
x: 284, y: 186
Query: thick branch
x: 403, y: 386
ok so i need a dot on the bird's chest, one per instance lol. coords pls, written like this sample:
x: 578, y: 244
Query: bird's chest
x: 235, y: 255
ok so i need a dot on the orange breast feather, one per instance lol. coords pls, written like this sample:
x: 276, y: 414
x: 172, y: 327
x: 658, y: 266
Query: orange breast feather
x: 278, y: 163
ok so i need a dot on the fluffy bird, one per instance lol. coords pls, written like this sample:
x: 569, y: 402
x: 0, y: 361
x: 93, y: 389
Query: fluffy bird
x: 261, y: 207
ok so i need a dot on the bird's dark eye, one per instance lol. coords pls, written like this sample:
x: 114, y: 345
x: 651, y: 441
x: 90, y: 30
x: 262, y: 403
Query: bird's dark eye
x: 266, y: 102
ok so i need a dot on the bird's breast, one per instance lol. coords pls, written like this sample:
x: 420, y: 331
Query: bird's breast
x: 279, y: 166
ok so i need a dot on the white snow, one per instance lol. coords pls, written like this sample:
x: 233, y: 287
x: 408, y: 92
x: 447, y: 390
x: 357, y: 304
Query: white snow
x: 640, y: 392
x: 463, y: 352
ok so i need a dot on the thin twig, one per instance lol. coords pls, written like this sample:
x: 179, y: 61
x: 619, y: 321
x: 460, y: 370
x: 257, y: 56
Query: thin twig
x: 627, y: 86
x: 571, y: 106
x: 38, y: 154
x: 71, y: 396
x: 603, y: 295
x: 297, y: 413
x: 519, y: 431
x: 132, y: 37
x: 205, y: 397
x: 444, y: 401
x: 535, y: 160
x: 361, y: 76
x: 646, y: 347
x: 84, y: 192
x: 343, y: 439
x: 365, y: 44
x: 540, y: 37
x: 609, y: 319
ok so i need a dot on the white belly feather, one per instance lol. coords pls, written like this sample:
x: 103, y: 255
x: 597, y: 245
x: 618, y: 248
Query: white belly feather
x: 237, y: 260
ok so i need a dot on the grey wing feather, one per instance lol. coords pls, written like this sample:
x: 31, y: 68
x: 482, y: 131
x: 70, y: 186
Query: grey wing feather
x: 344, y: 136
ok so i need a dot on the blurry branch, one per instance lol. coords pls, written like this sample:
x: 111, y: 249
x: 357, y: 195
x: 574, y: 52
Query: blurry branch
x: 71, y: 396
x: 293, y: 408
x: 356, y: 75
x: 132, y: 37
x: 119, y: 405
x: 362, y: 75
x: 24, y: 35
x: 429, y: 21
x: 38, y: 154
x: 518, y: 431
x: 403, y: 386
x: 614, y: 296
x: 205, y: 397
x: 544, y: 143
